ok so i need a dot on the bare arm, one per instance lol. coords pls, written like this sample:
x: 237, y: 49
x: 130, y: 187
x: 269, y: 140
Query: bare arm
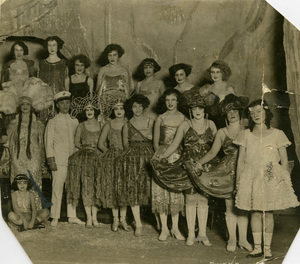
x: 33, y: 211
x: 283, y: 157
x: 91, y: 85
x: 156, y: 133
x: 99, y: 82
x: 125, y: 135
x: 213, y: 127
x: 230, y: 90
x: 103, y: 137
x: 78, y: 136
x: 67, y: 84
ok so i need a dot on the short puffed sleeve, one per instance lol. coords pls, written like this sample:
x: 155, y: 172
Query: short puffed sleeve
x: 281, y: 139
x: 241, y: 138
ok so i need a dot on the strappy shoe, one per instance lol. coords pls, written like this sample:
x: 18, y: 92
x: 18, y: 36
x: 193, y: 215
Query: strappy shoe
x: 164, y: 235
x: 204, y: 240
x: 268, y: 254
x: 124, y: 226
x: 176, y: 234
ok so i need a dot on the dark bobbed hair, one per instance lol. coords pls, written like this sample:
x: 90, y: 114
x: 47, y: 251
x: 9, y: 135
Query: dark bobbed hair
x: 224, y: 68
x: 180, y: 66
x: 103, y: 59
x: 161, y: 107
x: 139, y: 75
x: 22, y: 45
x: 112, y: 115
x: 136, y: 98
x: 81, y: 58
x: 268, y: 112
x: 58, y: 40
x: 14, y: 185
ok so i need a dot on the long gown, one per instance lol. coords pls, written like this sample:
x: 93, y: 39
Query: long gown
x: 264, y: 184
x: 164, y: 201
x: 23, y: 163
x: 81, y: 179
x: 134, y: 167
x: 107, y: 180
x: 219, y: 180
x: 175, y: 177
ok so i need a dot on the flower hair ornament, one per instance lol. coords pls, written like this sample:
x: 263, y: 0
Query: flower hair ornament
x: 79, y: 104
x: 233, y: 102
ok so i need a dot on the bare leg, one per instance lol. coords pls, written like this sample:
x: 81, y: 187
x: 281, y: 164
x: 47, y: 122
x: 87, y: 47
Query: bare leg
x: 256, y: 226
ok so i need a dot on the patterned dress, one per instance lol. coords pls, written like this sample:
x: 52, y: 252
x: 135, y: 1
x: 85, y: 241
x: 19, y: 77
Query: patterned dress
x: 264, y: 184
x: 81, y: 179
x: 107, y: 179
x: 134, y: 167
x: 164, y: 201
x: 21, y: 164
x: 175, y: 176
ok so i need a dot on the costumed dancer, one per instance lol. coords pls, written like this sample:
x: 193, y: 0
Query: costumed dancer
x: 179, y: 73
x: 81, y: 179
x: 25, y: 215
x: 165, y: 202
x: 134, y: 163
x: 263, y: 185
x: 79, y: 84
x: 110, y: 143
x: 198, y: 134
x: 148, y: 85
x: 114, y: 80
x: 59, y: 143
x: 219, y: 180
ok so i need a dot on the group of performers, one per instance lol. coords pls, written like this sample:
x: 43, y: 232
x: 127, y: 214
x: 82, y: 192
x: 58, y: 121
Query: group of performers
x: 116, y: 144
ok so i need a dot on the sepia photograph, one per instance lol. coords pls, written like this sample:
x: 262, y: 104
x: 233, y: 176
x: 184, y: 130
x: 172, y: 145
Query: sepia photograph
x: 149, y: 131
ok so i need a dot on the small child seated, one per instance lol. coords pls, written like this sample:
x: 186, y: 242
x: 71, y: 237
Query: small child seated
x: 24, y: 214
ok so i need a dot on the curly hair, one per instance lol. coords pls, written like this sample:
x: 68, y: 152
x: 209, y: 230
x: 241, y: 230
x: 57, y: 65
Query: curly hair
x: 161, y: 107
x: 268, y: 112
x: 58, y: 40
x: 22, y: 45
x: 82, y: 59
x: 180, y: 66
x: 14, y: 185
x: 136, y: 98
x: 103, y: 59
x: 224, y: 68
x: 139, y: 75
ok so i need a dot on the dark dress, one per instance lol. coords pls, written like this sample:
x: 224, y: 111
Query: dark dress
x: 133, y: 168
x: 175, y: 176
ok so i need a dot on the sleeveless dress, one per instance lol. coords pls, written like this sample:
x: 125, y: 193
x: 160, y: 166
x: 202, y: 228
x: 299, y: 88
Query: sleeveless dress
x: 81, y: 179
x: 264, y: 185
x: 175, y: 176
x: 107, y: 179
x: 134, y: 167
x: 164, y: 201
x: 79, y: 90
x: 219, y: 180
x: 53, y: 74
x: 21, y: 164
x: 112, y: 87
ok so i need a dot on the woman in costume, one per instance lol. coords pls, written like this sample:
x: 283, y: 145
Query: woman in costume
x: 165, y: 202
x: 81, y: 179
x: 197, y: 135
x: 148, y: 85
x: 219, y: 180
x: 180, y: 72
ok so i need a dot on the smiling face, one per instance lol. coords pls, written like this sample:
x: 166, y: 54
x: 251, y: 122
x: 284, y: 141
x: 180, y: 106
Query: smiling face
x: 119, y: 110
x: 22, y: 185
x: 137, y: 109
x: 216, y: 74
x: 79, y: 67
x: 171, y: 102
x: 52, y: 47
x: 233, y: 116
x: 25, y: 108
x: 148, y: 70
x: 19, y: 52
x: 64, y: 106
x: 113, y: 57
x: 258, y: 114
x: 90, y: 112
x: 180, y: 76
x: 198, y: 112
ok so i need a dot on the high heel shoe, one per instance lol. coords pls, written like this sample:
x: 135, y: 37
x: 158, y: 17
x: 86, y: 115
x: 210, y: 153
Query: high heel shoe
x: 204, y: 240
x: 124, y: 226
x: 245, y: 245
x: 115, y: 226
x: 231, y: 246
x: 163, y: 235
x: 176, y: 234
